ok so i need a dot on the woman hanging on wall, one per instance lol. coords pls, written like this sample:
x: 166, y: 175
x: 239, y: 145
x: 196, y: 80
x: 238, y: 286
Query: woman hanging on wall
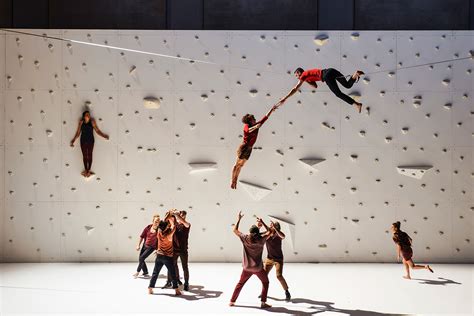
x: 86, y: 128
x: 403, y: 242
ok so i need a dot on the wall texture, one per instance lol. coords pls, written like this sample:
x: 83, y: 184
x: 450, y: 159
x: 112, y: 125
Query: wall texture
x: 341, y: 207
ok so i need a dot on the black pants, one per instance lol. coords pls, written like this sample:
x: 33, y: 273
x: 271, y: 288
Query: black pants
x: 184, y: 263
x: 87, y: 149
x: 159, y: 262
x: 331, y: 77
x: 144, y: 253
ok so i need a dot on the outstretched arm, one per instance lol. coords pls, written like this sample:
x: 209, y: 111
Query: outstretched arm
x: 260, y: 221
x: 98, y: 131
x: 78, y: 132
x: 235, y: 229
x: 292, y: 91
x: 260, y: 123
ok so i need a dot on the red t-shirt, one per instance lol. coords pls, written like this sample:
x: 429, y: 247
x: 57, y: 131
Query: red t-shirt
x: 311, y: 75
x: 150, y: 237
x: 252, y: 253
x: 251, y: 137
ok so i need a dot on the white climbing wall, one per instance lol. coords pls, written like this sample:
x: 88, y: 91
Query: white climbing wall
x: 337, y: 178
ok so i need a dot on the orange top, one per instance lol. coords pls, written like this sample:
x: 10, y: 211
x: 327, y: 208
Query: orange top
x: 165, y: 243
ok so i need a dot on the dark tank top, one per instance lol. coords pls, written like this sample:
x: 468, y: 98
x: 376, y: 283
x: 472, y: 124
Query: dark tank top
x: 87, y: 133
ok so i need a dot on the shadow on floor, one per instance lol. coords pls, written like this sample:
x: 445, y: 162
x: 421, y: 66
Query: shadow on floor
x: 195, y: 293
x: 316, y: 307
x: 440, y: 281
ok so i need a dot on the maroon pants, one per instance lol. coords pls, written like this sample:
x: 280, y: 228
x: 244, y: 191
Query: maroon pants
x: 262, y: 275
x: 87, y: 149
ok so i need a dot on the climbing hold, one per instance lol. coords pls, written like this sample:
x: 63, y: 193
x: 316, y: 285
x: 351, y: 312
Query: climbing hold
x: 311, y: 162
x: 321, y: 39
x: 196, y: 167
x: 255, y: 191
x: 151, y: 102
x: 416, y: 172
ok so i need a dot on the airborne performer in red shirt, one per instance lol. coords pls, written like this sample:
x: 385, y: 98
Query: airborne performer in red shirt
x: 331, y: 76
x: 251, y: 127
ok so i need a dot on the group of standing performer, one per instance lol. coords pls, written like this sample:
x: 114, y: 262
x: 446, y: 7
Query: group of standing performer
x: 168, y: 239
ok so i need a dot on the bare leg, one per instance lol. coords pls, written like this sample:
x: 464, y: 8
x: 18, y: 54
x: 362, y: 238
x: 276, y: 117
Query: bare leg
x: 236, y: 171
x: 407, y: 269
x: 417, y: 266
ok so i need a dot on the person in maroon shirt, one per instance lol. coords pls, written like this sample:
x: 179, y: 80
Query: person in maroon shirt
x: 275, y: 253
x: 403, y: 242
x: 180, y: 248
x: 149, y: 245
x: 331, y: 77
x: 253, y: 244
x: 251, y: 127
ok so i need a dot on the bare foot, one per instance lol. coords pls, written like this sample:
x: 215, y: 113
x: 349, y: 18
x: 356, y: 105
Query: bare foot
x: 177, y: 292
x: 358, y: 106
x: 233, y: 185
x: 429, y: 268
x: 357, y: 74
x: 150, y: 290
x: 135, y: 275
x: 84, y: 173
x: 407, y: 277
x: 265, y: 305
x: 231, y: 303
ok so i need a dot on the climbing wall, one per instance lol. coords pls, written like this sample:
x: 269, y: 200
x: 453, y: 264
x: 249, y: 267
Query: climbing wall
x: 334, y: 178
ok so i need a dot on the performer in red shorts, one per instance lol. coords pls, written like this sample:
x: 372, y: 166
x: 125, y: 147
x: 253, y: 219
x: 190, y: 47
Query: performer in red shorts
x: 251, y: 127
x: 403, y: 242
x: 331, y: 77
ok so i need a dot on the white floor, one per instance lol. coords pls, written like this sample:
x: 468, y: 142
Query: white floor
x: 328, y: 289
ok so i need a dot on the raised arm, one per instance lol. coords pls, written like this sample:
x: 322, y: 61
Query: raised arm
x: 260, y: 221
x: 235, y: 229
x: 279, y: 233
x: 260, y: 123
x: 181, y: 220
x: 292, y: 91
x: 78, y: 132
x: 98, y: 131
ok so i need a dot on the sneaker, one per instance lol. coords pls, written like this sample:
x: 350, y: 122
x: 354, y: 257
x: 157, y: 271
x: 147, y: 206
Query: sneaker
x: 167, y: 285
x: 288, y: 296
x: 146, y: 276
x: 186, y: 287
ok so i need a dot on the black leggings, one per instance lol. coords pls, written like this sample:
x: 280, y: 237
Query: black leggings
x: 159, y: 262
x: 331, y: 77
x: 87, y: 149
x: 144, y: 253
